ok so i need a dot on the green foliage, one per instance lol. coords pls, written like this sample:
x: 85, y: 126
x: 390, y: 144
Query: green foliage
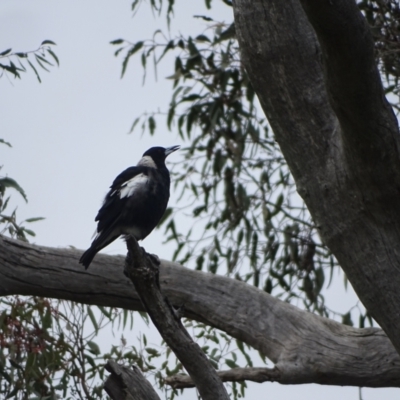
x: 48, y: 348
x: 247, y: 221
x: 8, y: 222
x: 31, y: 355
x: 13, y: 62
x: 157, y: 7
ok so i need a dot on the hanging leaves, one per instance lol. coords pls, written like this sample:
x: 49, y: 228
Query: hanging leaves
x: 35, y: 58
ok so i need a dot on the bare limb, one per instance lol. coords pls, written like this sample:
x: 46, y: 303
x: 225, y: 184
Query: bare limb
x: 143, y: 273
x: 304, y: 347
x: 258, y: 375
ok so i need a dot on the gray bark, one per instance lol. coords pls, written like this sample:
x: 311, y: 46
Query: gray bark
x: 126, y: 383
x: 259, y: 375
x: 305, y: 348
x: 323, y: 97
x: 144, y: 274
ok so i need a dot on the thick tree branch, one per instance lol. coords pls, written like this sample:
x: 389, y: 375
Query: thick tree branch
x: 304, y: 347
x: 127, y: 383
x: 345, y: 161
x: 352, y: 80
x: 258, y: 375
x: 144, y: 274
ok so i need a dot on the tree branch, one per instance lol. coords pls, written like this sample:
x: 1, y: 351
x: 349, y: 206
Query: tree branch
x: 144, y: 273
x: 353, y: 81
x: 258, y: 375
x: 305, y: 347
x: 346, y: 161
x: 128, y: 383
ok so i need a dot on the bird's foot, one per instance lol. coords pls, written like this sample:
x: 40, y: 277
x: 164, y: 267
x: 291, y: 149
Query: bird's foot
x: 154, y: 258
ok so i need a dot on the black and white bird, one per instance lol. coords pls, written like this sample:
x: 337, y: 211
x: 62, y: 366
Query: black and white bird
x: 135, y: 203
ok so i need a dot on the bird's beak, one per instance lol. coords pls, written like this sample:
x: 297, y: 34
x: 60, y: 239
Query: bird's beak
x: 170, y: 150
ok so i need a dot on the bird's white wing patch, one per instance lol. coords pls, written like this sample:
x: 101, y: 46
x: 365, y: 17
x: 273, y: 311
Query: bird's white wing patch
x: 131, y: 186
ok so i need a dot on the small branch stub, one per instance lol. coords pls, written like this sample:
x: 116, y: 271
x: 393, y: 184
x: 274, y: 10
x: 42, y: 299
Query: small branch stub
x: 258, y: 375
x: 128, y: 383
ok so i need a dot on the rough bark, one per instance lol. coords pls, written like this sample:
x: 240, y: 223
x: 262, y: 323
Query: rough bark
x: 258, y: 375
x: 305, y: 348
x: 323, y: 97
x: 128, y: 383
x: 144, y: 274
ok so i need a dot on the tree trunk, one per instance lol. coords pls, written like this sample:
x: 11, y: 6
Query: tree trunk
x: 323, y: 97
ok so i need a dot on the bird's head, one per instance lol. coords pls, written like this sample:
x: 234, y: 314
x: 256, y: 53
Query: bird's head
x: 155, y: 156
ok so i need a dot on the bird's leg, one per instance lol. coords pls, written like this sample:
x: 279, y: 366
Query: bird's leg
x: 128, y: 261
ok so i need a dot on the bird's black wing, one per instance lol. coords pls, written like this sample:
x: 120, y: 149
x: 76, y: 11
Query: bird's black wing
x: 125, y: 176
x: 122, y: 188
x: 112, y: 216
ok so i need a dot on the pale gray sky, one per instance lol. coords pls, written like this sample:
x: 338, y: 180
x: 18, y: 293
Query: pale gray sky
x: 69, y: 134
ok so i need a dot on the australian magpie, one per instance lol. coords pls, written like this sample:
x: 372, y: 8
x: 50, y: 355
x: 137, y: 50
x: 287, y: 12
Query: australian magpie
x: 135, y: 203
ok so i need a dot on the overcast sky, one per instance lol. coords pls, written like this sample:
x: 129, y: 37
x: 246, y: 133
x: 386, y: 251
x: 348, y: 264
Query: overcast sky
x: 69, y: 133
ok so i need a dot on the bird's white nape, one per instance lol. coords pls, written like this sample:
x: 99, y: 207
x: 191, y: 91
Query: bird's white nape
x: 129, y: 187
x: 147, y: 161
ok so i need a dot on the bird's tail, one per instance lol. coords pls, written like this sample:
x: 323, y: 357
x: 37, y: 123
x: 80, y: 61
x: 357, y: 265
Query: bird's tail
x: 102, y: 240
x: 88, y: 255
